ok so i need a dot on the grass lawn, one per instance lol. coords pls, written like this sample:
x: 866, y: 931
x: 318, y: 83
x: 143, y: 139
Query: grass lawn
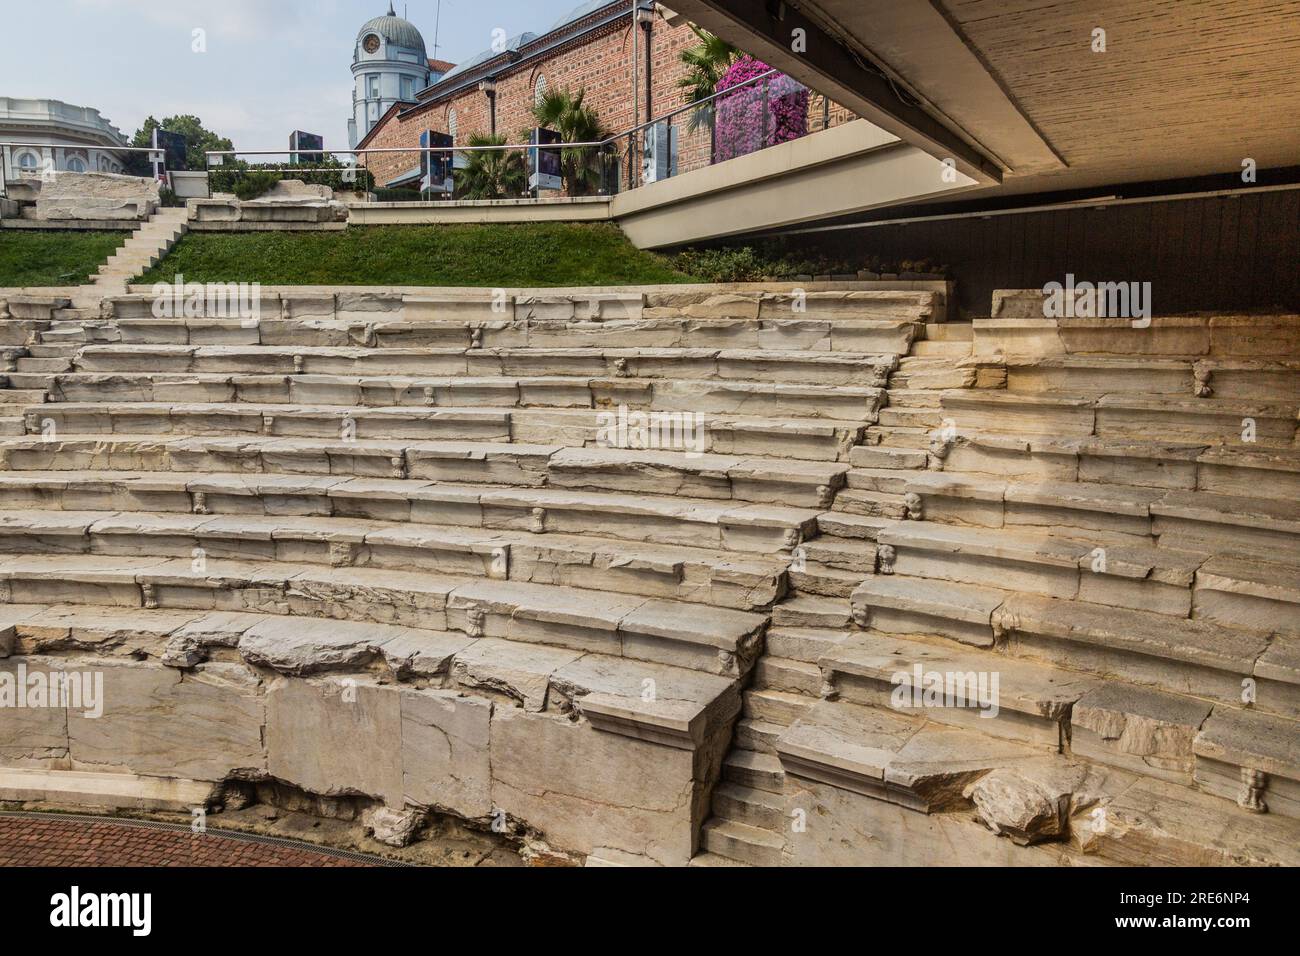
x: 532, y: 254
x: 40, y: 258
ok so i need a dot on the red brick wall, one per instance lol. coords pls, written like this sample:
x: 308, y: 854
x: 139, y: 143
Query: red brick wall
x: 600, y: 63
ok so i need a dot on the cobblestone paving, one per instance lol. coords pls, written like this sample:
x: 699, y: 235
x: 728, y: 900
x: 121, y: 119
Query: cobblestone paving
x: 71, y: 842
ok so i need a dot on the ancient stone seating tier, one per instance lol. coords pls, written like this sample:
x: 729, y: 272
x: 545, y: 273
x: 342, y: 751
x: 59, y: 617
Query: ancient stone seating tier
x: 1104, y: 519
x: 891, y: 590
x: 511, y: 558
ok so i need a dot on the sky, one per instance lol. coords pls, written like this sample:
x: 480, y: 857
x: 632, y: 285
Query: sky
x: 271, y: 66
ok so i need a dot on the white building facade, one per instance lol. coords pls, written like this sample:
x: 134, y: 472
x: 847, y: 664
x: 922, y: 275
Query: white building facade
x: 61, y: 136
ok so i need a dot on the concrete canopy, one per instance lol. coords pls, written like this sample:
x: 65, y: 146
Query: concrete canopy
x: 1020, y: 90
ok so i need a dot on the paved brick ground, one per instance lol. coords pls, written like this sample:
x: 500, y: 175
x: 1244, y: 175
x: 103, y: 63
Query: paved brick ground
x: 71, y: 842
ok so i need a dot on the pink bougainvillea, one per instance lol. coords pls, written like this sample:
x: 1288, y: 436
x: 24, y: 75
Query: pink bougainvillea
x: 762, y: 114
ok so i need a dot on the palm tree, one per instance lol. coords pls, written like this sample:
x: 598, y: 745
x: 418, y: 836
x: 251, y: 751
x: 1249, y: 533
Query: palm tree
x: 705, y: 65
x: 565, y: 113
x: 492, y: 173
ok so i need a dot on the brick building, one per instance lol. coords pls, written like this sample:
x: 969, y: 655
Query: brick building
x: 590, y: 49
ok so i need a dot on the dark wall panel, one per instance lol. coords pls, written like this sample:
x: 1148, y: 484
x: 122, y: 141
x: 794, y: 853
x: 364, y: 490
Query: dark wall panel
x: 1215, y: 254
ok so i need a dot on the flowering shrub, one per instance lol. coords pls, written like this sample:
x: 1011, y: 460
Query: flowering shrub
x: 743, y: 125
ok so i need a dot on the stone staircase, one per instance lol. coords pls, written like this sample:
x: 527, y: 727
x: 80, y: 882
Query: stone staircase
x: 147, y: 245
x: 454, y: 504
x: 1116, y: 540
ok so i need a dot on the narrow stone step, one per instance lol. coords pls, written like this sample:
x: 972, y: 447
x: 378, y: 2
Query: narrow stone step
x: 755, y: 808
x: 872, y: 504
x: 797, y: 677
x: 806, y: 644
x: 713, y: 859
x: 754, y: 770
x: 775, y: 707
x: 804, y: 610
x: 1016, y: 699
x: 744, y: 843
x: 1252, y: 759
x: 757, y: 735
x: 884, y: 456
x: 814, y: 578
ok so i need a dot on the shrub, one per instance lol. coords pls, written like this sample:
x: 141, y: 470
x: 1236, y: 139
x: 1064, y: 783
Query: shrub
x: 335, y: 175
x: 252, y: 184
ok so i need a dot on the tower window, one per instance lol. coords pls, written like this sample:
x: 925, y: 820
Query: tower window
x: 408, y: 87
x: 372, y: 85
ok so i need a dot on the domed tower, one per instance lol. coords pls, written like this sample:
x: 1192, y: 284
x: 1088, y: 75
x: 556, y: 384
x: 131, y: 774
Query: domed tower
x: 389, y: 64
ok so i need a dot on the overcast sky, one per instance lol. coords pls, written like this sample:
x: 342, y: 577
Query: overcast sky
x: 271, y: 66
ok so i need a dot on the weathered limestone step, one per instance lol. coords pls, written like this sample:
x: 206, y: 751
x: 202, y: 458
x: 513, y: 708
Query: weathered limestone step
x: 949, y: 332
x: 1242, y: 592
x: 841, y: 524
x: 913, y: 398
x: 722, y: 477
x: 492, y: 330
x: 819, y: 440
x: 806, y: 644
x: 754, y: 770
x: 31, y: 365
x: 1252, y: 759
x: 992, y: 694
x: 886, y: 456
x: 677, y: 573
x: 1187, y: 520
x: 804, y: 610
x: 606, y: 690
x: 788, y: 367
x: 682, y: 395
x: 754, y: 808
x: 775, y: 706
x: 1120, y: 416
x: 811, y: 577
x: 904, y: 417
x: 680, y: 521
x: 1240, y: 380
x: 871, y: 504
x: 946, y: 349
x: 904, y: 438
x: 12, y: 426
x: 698, y: 637
x: 109, y: 791
x: 1269, y: 473
x: 791, y: 676
x: 1189, y: 657
x: 893, y: 757
x: 1131, y: 576
x: 841, y: 554
x: 746, y: 844
x: 903, y: 605
x: 1139, y: 729
x: 1154, y: 823
x: 757, y: 735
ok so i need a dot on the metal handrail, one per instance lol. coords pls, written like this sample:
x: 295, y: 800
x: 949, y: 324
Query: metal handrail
x: 472, y: 149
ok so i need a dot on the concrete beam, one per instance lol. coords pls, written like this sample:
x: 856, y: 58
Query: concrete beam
x: 767, y: 28
x: 847, y: 169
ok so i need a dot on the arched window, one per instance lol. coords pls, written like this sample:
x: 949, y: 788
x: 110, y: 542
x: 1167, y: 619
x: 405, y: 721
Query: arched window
x: 28, y: 161
x: 539, y: 90
x: 104, y: 164
x: 76, y: 164
x: 451, y: 125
